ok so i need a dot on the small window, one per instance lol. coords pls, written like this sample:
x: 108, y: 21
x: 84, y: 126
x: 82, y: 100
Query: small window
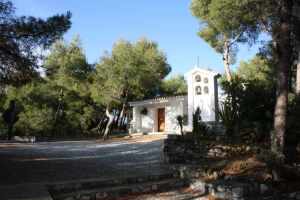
x: 198, y: 78
x: 205, y: 90
x: 198, y: 90
x: 205, y: 80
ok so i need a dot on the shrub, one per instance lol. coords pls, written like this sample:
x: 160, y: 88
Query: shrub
x: 144, y: 111
x: 11, y: 116
x: 199, y: 127
x: 181, y: 120
x: 229, y: 117
x: 248, y: 104
x: 35, y: 121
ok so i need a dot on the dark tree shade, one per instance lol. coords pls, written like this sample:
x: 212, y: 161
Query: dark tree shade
x: 21, y: 38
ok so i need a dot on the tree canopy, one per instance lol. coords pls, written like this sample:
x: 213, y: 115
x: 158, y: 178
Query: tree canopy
x: 223, y: 25
x: 67, y: 66
x: 175, y: 85
x: 131, y: 71
x: 257, y: 69
x: 60, y: 103
x: 22, y: 38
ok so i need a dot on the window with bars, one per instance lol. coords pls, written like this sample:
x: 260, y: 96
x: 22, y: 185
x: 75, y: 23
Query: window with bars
x: 198, y: 90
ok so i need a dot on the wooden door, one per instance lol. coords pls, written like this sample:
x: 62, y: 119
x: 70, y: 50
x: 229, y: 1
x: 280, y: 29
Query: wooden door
x: 161, y: 119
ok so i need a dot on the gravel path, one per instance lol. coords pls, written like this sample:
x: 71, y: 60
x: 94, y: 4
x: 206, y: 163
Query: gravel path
x: 66, y: 161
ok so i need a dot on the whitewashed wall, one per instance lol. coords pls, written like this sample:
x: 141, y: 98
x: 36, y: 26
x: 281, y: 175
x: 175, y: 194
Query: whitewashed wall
x: 148, y: 123
x: 144, y: 123
x: 174, y: 109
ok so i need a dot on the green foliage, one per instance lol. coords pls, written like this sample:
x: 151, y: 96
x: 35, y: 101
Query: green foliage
x: 37, y: 104
x: 257, y: 98
x: 249, y: 103
x: 228, y: 114
x: 144, y: 111
x: 131, y: 71
x: 60, y: 104
x: 21, y: 37
x: 71, y: 99
x: 179, y: 119
x: 218, y: 13
x: 219, y: 27
x: 36, y: 121
x: 258, y: 69
x: 199, y: 127
x: 41, y: 115
x: 173, y: 86
x: 67, y: 66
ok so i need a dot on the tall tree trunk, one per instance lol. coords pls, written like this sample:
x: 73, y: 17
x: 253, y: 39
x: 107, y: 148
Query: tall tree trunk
x: 9, y: 132
x: 298, y: 75
x: 121, y: 115
x: 116, y: 124
x: 284, y: 53
x: 296, y: 34
x: 110, y: 121
x: 99, y: 126
x: 226, y: 60
x: 124, y: 103
x: 103, y: 126
x: 124, y: 119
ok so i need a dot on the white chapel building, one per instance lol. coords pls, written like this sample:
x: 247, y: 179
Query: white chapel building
x: 159, y: 114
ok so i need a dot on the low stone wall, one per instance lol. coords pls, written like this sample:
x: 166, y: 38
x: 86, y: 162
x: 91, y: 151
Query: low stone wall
x: 178, y: 151
x: 192, y: 160
x: 230, y: 188
x: 187, y: 150
x: 233, y: 188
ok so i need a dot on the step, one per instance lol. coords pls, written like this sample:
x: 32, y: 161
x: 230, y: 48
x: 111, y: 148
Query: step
x: 117, y: 191
x: 70, y: 186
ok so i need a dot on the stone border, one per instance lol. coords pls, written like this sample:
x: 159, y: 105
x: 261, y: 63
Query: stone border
x: 114, y: 188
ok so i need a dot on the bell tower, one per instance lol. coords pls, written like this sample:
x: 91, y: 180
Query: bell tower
x: 202, y: 93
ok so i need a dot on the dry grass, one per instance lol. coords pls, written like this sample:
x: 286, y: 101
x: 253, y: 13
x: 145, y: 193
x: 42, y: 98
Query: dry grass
x: 249, y: 166
x: 135, y: 139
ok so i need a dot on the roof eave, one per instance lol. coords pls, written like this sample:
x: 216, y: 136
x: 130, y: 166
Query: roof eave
x: 157, y: 100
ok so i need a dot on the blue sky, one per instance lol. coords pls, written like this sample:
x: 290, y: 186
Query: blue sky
x: 168, y: 22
